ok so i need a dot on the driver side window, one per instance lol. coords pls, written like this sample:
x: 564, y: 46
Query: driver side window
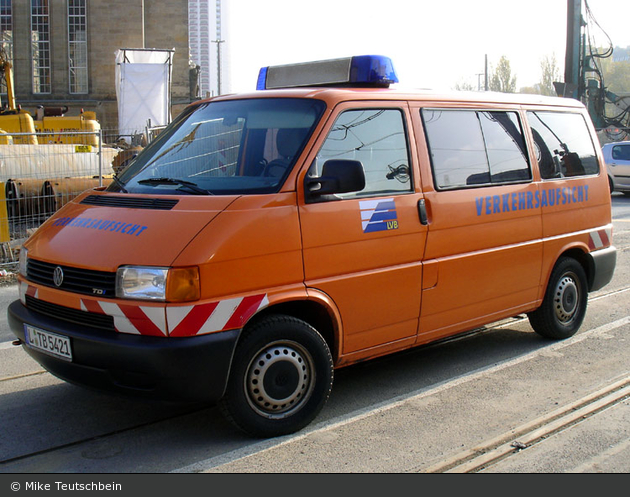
x: 376, y: 138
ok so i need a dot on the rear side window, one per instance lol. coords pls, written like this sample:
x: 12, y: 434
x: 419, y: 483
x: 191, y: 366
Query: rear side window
x: 621, y: 152
x: 475, y: 148
x: 564, y: 147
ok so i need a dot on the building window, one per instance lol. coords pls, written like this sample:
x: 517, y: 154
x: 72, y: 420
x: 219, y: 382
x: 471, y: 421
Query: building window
x: 77, y: 46
x: 40, y: 43
x: 6, y: 28
x: 6, y: 37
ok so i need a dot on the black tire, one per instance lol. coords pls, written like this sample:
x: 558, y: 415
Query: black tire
x: 281, y: 377
x: 564, y: 305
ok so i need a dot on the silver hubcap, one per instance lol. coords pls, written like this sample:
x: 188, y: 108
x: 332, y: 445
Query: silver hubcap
x: 566, y: 300
x: 279, y: 379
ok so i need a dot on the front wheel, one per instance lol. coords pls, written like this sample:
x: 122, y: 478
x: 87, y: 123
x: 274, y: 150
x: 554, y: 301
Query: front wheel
x: 564, y: 305
x: 281, y: 377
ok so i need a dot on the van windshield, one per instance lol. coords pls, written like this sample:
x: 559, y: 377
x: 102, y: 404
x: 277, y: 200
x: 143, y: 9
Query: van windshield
x: 229, y: 147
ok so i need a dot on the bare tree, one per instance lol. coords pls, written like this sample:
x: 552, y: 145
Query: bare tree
x: 550, y: 73
x: 465, y: 86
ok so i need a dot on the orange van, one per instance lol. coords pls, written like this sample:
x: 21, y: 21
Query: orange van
x: 264, y: 240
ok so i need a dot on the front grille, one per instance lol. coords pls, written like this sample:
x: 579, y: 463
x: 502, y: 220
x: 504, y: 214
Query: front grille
x: 77, y: 280
x: 161, y: 204
x: 76, y: 316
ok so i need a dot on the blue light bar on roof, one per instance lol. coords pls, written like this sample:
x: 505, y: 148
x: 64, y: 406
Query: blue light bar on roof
x: 358, y: 71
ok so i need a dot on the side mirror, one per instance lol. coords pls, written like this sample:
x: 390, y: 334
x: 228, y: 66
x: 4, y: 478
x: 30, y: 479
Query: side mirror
x: 338, y: 176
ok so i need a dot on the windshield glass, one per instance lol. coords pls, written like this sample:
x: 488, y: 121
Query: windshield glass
x: 228, y: 147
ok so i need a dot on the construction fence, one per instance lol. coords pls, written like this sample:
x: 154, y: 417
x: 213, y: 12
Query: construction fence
x: 39, y: 174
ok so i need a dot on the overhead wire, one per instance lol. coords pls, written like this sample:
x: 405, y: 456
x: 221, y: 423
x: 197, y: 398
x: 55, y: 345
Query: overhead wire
x: 622, y: 119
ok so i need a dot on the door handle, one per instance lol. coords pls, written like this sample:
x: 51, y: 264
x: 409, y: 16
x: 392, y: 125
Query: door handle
x: 422, y: 212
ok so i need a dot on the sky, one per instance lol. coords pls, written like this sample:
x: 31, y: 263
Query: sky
x: 434, y: 44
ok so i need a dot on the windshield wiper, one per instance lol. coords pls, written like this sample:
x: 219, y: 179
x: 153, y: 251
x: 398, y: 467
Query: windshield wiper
x: 183, y: 184
x: 120, y: 184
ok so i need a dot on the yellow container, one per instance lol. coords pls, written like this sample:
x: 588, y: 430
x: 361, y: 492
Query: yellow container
x: 52, y: 126
x: 20, y: 122
x: 5, y: 138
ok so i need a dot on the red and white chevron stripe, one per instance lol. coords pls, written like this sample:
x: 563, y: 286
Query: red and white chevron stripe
x: 26, y: 289
x: 175, y: 321
x: 215, y: 316
x: 600, y: 239
x: 135, y: 319
x: 179, y: 321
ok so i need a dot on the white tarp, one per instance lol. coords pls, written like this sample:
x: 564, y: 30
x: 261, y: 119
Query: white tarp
x: 52, y: 161
x: 143, y: 89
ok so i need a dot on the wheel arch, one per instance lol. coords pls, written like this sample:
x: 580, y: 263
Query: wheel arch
x: 563, y: 307
x: 583, y: 257
x: 316, y: 312
x: 611, y: 183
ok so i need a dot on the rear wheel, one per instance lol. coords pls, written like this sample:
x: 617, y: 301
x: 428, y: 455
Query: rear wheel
x: 564, y: 305
x: 281, y: 377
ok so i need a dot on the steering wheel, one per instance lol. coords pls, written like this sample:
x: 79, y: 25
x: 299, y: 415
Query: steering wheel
x: 275, y: 168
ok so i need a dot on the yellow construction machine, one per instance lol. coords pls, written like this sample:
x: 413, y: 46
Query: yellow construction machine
x: 51, y: 122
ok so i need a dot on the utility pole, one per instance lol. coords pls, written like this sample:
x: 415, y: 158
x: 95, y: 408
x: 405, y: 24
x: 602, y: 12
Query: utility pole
x: 485, y: 75
x: 142, y: 27
x: 479, y: 81
x: 573, y: 86
x: 487, y: 86
x: 218, y: 41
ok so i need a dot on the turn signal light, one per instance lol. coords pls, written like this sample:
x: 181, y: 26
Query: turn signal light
x: 182, y: 284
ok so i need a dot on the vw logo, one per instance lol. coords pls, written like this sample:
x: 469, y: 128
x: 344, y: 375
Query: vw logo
x: 58, y: 276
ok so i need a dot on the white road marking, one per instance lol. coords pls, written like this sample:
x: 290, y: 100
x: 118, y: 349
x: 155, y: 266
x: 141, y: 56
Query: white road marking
x: 360, y: 414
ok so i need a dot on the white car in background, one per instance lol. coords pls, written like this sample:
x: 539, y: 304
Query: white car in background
x: 617, y: 158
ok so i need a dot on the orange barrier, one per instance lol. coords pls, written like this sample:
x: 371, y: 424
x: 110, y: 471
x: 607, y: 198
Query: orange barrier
x: 57, y: 192
x: 23, y: 197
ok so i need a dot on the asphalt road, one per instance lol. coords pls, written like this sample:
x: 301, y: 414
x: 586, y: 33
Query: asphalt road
x: 8, y: 293
x: 501, y: 399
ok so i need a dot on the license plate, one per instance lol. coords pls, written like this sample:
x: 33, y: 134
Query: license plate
x: 47, y: 342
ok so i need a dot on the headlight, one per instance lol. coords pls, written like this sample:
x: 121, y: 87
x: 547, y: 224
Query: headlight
x: 145, y: 283
x: 158, y: 283
x: 23, y: 261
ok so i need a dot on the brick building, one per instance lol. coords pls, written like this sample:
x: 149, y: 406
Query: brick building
x: 63, y: 51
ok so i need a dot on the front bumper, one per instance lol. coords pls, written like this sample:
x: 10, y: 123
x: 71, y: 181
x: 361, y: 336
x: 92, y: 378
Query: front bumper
x: 191, y: 369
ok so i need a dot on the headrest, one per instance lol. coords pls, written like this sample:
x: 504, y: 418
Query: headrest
x: 289, y: 140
